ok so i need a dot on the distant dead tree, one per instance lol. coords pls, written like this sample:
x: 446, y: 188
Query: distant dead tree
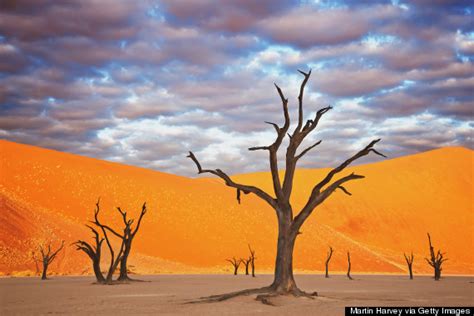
x: 349, y: 266
x: 47, y: 258
x: 328, y: 258
x: 409, y: 259
x: 289, y: 220
x: 235, y: 263
x: 95, y: 253
x: 252, y: 260
x: 246, y: 262
x: 127, y: 238
x: 435, y: 260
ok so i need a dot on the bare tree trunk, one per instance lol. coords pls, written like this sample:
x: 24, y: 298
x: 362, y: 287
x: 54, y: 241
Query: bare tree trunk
x: 123, y: 262
x: 409, y: 260
x: 327, y: 261
x: 98, y: 274
x: 252, y: 260
x: 247, y: 264
x: 45, y: 271
x: 284, y: 281
x: 349, y: 266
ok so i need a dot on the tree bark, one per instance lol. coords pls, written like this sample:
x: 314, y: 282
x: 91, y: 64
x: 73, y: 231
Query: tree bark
x: 98, y: 274
x: 284, y: 281
x: 123, y: 262
x: 45, y: 271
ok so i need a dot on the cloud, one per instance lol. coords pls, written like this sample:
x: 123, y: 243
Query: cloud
x: 143, y: 82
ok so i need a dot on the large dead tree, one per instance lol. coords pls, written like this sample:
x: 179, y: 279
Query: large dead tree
x: 349, y: 266
x: 435, y: 260
x: 328, y: 258
x: 290, y: 220
x: 409, y: 259
x: 47, y: 257
x: 235, y: 263
x: 95, y: 252
x: 127, y: 238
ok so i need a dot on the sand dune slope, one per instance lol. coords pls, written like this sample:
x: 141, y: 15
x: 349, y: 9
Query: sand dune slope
x: 193, y: 225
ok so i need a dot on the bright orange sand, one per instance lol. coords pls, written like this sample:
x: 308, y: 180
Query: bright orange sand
x: 193, y: 225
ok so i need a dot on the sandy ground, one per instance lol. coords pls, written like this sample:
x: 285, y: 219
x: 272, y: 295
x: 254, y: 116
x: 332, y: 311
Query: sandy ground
x: 170, y: 294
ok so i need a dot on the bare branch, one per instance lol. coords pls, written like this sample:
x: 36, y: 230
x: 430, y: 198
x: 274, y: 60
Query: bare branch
x: 51, y: 258
x: 317, y: 198
x: 229, y: 182
x: 300, y: 101
x: 344, y: 190
x: 342, y: 166
x: 259, y: 148
x: 277, y: 129
x: 143, y: 212
x: 307, y: 149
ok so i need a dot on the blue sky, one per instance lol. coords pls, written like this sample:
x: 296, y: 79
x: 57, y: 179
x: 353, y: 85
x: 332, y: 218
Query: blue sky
x: 143, y: 82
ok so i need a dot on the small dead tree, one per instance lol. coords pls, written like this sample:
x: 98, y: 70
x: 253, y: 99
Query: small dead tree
x: 246, y: 262
x: 349, y: 266
x: 290, y: 219
x: 127, y: 238
x: 435, y: 260
x: 94, y: 253
x: 409, y: 259
x: 47, y: 258
x: 235, y: 263
x: 252, y: 260
x: 328, y: 258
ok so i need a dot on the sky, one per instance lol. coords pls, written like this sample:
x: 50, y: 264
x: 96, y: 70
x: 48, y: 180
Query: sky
x: 144, y: 82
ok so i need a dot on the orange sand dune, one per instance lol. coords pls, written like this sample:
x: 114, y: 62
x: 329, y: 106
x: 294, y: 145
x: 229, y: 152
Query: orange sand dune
x: 193, y: 225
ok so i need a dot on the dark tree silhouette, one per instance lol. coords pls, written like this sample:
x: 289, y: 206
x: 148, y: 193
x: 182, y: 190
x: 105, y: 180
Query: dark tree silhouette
x: 349, y: 266
x: 289, y: 221
x: 409, y: 259
x: 246, y: 262
x: 127, y: 237
x: 252, y: 260
x: 435, y: 260
x: 328, y: 258
x: 95, y: 252
x: 235, y: 263
x: 47, y: 257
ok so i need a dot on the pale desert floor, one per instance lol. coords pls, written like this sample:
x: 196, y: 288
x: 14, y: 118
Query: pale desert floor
x: 169, y: 294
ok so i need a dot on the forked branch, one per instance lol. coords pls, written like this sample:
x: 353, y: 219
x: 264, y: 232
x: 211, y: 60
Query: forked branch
x: 229, y: 182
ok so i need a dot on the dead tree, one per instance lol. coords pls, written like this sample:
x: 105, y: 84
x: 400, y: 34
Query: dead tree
x: 435, y: 260
x: 409, y: 259
x: 252, y: 260
x: 349, y: 266
x: 235, y: 263
x: 289, y: 220
x: 246, y: 262
x: 47, y: 258
x: 94, y: 253
x: 327, y: 261
x: 127, y: 238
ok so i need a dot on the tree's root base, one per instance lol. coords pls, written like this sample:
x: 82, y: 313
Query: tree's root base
x: 264, y: 295
x: 128, y: 279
